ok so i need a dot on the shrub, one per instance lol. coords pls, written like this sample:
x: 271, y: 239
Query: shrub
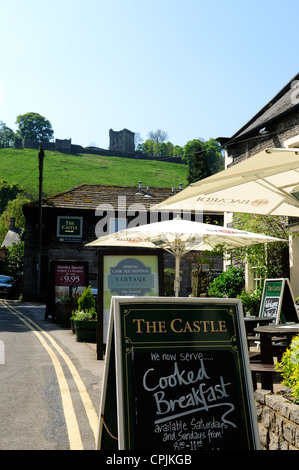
x: 86, y: 301
x: 289, y: 368
x: 169, y: 274
x: 229, y: 284
x: 251, y: 301
x: 85, y: 315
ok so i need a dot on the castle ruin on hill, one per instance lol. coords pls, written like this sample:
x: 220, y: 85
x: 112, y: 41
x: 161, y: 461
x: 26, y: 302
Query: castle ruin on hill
x: 122, y: 141
x: 121, y: 144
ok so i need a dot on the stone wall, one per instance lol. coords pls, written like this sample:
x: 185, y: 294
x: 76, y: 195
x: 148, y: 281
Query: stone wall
x: 278, y: 421
x: 65, y: 146
x: 281, y: 130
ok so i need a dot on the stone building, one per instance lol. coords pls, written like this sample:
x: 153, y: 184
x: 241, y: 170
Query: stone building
x: 13, y: 234
x: 73, y: 218
x: 122, y: 141
x: 276, y: 125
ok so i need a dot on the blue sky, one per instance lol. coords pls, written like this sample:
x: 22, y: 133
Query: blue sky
x: 194, y: 68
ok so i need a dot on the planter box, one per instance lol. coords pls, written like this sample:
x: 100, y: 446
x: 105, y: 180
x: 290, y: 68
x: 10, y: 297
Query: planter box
x: 86, y: 331
x: 64, y: 312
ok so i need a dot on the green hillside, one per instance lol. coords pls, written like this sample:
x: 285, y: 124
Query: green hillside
x: 64, y: 171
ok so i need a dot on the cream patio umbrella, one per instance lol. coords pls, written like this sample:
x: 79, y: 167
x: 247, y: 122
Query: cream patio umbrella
x: 266, y: 183
x: 179, y: 236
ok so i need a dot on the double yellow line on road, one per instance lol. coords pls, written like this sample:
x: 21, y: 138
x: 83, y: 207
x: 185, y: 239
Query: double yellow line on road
x: 74, y: 435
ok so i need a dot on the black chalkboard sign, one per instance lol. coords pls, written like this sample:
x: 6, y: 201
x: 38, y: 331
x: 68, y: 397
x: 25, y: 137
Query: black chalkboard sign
x: 278, y: 302
x: 182, y: 377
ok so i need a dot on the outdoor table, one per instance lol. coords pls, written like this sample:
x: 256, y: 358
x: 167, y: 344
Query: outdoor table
x: 250, y: 324
x: 253, y: 322
x: 267, y: 333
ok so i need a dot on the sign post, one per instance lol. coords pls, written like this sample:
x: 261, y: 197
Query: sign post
x: 179, y: 372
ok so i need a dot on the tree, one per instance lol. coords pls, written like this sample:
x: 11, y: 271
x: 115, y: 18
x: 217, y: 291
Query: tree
x: 197, y: 161
x: 8, y: 192
x: 147, y: 147
x: 33, y: 126
x: 229, y: 284
x: 215, y: 158
x: 177, y: 151
x: 269, y: 260
x: 7, y: 135
x: 159, y: 136
x: 14, y: 264
x: 137, y: 139
x: 14, y: 209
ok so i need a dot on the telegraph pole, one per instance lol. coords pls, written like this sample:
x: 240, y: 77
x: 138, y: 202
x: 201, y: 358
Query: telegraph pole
x: 41, y: 156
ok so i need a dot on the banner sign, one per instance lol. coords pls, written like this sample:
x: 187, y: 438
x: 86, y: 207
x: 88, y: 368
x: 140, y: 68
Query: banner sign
x: 179, y: 372
x: 131, y: 277
x: 278, y: 301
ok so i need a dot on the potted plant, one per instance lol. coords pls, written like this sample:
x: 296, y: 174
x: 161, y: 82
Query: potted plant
x: 85, y: 318
x: 85, y: 323
x: 64, y: 309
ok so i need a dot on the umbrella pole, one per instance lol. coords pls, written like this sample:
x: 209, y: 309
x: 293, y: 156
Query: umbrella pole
x: 177, y: 278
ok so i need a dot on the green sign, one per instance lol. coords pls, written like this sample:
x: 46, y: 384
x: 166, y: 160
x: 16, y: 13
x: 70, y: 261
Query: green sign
x: 277, y: 301
x: 179, y: 372
x: 69, y: 227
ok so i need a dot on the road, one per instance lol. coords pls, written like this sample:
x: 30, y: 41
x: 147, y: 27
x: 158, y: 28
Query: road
x: 50, y: 384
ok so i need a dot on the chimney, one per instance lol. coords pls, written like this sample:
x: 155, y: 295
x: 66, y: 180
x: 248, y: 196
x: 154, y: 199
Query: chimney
x: 140, y: 188
x: 12, y: 224
x: 147, y: 192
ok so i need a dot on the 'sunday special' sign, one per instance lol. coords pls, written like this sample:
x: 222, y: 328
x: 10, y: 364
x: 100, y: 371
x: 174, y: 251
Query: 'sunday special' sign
x: 70, y: 279
x: 177, y: 377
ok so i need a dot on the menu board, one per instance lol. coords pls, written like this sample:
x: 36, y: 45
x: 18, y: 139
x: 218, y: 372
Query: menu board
x: 70, y: 279
x: 67, y: 279
x: 278, y: 302
x: 183, y: 380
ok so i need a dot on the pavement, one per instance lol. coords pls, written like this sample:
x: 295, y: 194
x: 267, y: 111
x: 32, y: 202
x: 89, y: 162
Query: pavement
x: 83, y: 355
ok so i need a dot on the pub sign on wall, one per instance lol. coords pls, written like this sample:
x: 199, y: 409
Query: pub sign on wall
x: 69, y: 228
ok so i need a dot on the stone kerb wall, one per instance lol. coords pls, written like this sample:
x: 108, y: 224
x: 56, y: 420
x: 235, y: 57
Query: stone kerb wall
x: 278, y: 421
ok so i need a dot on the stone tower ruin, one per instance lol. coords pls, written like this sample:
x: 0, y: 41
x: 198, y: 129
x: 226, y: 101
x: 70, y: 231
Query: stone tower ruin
x: 122, y: 141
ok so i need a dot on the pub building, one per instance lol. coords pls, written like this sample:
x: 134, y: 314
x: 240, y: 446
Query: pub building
x: 73, y: 218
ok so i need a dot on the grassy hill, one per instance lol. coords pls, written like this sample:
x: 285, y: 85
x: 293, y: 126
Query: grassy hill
x: 64, y: 171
